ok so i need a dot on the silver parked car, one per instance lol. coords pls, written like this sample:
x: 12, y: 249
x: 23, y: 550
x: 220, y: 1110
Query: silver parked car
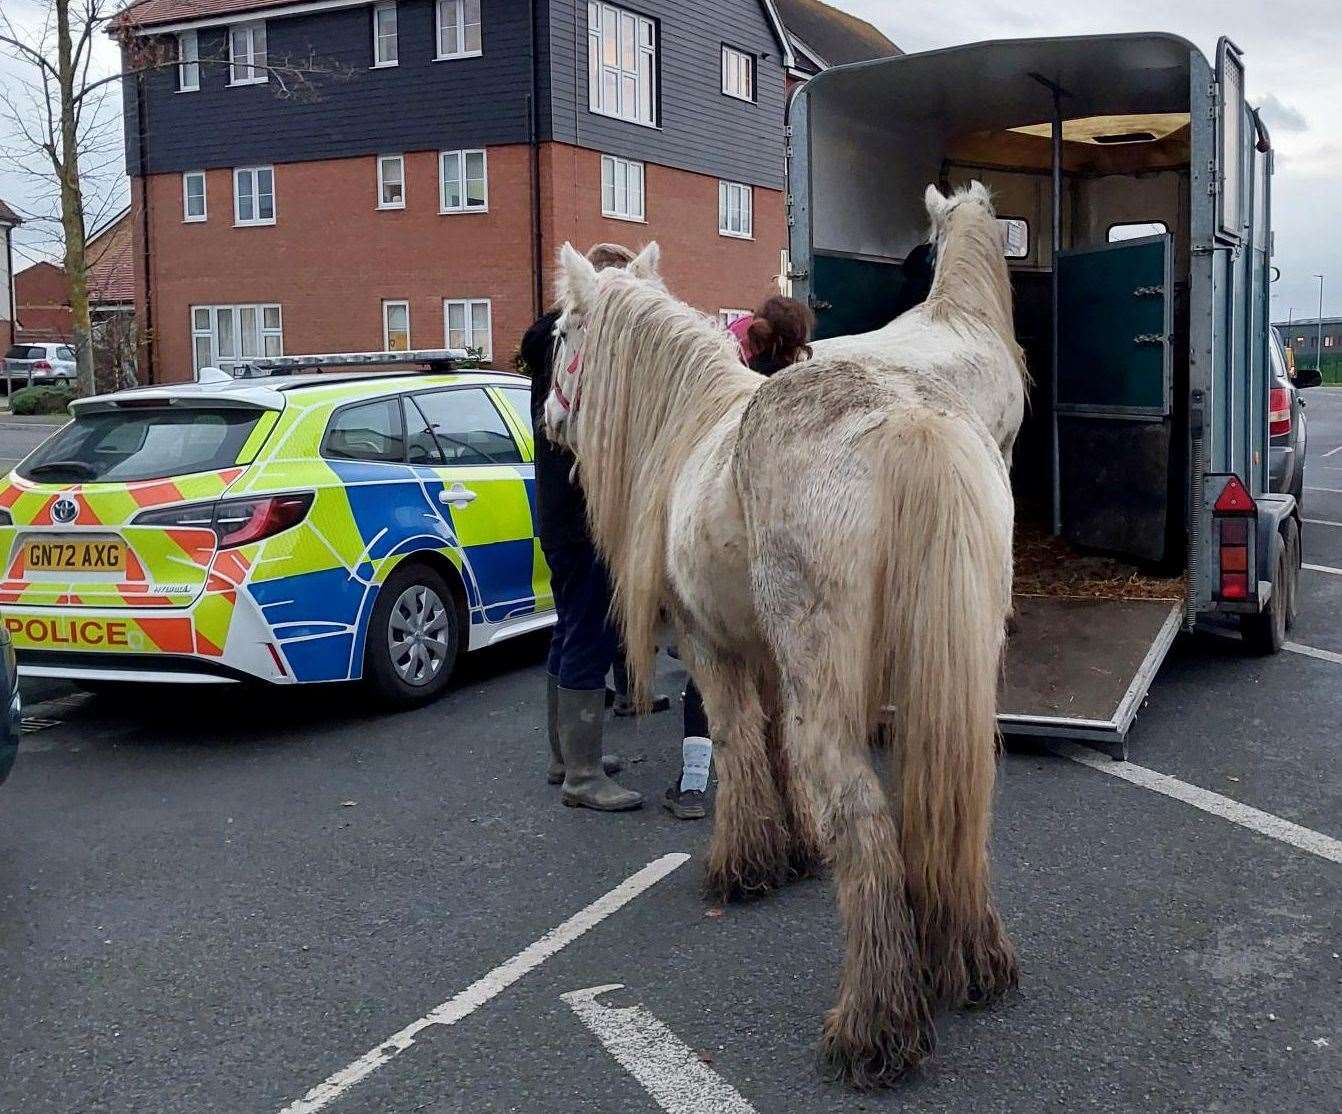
x: 45, y: 362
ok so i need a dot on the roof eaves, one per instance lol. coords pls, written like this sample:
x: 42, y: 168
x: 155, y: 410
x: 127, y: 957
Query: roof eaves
x: 780, y: 33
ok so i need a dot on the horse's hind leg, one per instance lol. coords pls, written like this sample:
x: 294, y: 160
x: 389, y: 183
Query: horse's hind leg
x: 748, y: 853
x: 806, y: 850
x: 881, y: 1025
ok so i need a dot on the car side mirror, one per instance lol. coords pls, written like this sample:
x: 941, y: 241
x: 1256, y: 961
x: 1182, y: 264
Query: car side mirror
x: 1308, y: 377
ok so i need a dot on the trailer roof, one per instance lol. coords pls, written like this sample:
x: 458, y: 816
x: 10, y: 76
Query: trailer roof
x: 1101, y: 74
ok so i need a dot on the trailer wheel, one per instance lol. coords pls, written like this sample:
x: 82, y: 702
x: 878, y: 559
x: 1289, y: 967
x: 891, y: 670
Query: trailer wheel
x: 1265, y: 633
x: 1293, y: 562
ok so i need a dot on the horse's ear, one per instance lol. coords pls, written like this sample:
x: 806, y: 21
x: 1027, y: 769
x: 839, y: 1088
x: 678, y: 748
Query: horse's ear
x: 980, y: 192
x: 646, y: 263
x: 575, y: 280
x: 936, y: 204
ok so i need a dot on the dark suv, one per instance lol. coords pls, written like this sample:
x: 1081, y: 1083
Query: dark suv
x: 1286, y: 420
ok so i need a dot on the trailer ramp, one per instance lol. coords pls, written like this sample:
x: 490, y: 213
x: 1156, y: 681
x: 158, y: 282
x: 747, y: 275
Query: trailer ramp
x: 1080, y: 668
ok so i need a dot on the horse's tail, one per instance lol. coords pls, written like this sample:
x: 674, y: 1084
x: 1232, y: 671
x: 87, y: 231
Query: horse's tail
x: 943, y: 590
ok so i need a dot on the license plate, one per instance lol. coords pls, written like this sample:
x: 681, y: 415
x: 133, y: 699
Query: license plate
x: 69, y: 556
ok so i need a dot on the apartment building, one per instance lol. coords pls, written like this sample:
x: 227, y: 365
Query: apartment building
x: 331, y: 175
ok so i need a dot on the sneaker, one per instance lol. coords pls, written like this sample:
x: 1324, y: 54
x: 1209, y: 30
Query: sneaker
x: 685, y: 804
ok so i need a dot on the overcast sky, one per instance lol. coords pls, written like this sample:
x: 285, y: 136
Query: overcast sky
x: 1291, y: 50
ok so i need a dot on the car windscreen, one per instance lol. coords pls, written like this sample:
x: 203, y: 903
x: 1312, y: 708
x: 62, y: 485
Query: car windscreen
x: 141, y: 444
x: 25, y: 352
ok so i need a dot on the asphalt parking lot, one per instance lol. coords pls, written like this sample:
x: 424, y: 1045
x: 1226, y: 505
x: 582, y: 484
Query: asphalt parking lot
x: 225, y: 902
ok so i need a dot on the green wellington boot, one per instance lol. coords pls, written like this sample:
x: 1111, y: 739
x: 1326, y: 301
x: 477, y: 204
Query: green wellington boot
x: 611, y: 763
x: 579, y: 717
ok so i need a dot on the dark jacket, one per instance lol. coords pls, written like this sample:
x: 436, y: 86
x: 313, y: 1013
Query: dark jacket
x: 561, y: 510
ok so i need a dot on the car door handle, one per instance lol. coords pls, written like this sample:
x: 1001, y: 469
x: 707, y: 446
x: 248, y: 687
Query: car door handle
x: 456, y: 496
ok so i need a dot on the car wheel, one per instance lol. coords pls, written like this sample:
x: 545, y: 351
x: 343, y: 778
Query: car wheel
x: 1264, y: 634
x: 413, y: 637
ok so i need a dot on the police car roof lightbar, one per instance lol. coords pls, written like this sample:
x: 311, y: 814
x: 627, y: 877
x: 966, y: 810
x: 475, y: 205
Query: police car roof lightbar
x: 437, y: 359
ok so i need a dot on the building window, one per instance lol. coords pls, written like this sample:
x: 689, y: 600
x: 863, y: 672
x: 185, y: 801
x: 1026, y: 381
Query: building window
x: 622, y: 188
x: 458, y: 28
x: 396, y: 326
x: 188, y: 62
x: 391, y: 182
x: 224, y: 336
x: 254, y: 195
x: 734, y: 215
x: 466, y: 324
x: 247, y: 54
x: 729, y: 317
x: 193, y: 195
x: 463, y: 180
x: 738, y: 73
x: 1328, y: 342
x: 384, y: 34
x: 621, y: 64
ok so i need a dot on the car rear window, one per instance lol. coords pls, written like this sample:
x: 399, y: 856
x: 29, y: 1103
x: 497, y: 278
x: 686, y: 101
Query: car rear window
x: 141, y: 444
x: 25, y: 352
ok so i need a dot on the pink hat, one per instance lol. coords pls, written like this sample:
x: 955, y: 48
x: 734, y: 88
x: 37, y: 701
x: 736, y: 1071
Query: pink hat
x: 740, y: 329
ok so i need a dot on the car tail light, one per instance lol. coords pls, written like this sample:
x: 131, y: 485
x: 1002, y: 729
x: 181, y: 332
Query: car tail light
x: 41, y: 365
x: 1235, y: 520
x: 1279, y: 411
x: 235, y: 521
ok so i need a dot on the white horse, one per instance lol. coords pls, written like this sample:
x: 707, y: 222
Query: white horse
x: 963, y: 333
x: 827, y: 542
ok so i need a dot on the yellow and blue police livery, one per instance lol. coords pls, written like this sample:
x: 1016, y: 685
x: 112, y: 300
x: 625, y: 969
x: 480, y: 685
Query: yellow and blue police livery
x: 299, y: 529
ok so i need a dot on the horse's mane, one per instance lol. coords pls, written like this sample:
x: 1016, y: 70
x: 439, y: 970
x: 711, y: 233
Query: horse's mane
x: 971, y: 274
x: 657, y: 376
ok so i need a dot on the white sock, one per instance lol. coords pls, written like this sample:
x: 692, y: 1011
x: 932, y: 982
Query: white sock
x: 697, y: 755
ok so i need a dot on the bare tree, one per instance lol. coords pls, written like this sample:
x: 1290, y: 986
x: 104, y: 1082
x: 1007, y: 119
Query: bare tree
x: 65, y: 124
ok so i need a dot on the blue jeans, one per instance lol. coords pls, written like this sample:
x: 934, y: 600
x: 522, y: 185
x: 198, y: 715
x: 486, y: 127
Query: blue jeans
x: 584, y: 642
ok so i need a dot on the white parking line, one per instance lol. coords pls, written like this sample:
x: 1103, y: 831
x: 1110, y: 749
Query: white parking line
x: 667, y: 1068
x: 1322, y: 522
x: 1332, y: 452
x: 1330, y: 490
x: 1321, y: 568
x: 489, y: 986
x: 1313, y: 652
x: 1246, y: 816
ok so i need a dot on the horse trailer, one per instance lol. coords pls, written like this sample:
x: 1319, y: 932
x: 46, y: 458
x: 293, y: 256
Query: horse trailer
x: 1132, y: 183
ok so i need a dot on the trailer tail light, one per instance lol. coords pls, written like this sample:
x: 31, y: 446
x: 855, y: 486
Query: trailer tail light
x: 1279, y: 412
x: 1236, y: 517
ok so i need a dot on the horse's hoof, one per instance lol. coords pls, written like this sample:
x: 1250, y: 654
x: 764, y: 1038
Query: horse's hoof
x: 880, y: 1059
x: 991, y: 978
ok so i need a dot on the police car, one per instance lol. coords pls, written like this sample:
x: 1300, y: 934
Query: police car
x: 293, y: 529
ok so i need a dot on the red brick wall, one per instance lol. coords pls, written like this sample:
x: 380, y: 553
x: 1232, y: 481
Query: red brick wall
x: 43, y: 309
x: 709, y: 271
x: 332, y: 257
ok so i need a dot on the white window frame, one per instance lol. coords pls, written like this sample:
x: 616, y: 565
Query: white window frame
x: 460, y: 25
x: 469, y: 305
x: 732, y: 61
x: 726, y: 190
x: 387, y: 306
x: 188, y: 62
x: 382, y: 202
x: 211, y: 333
x: 187, y: 216
x: 380, y: 39
x: 255, y: 172
x: 620, y: 171
x: 604, y: 20
x: 729, y: 317
x: 252, y: 59
x: 462, y: 179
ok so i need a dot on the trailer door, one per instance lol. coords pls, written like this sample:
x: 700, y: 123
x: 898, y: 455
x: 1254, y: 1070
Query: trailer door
x: 1114, y: 395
